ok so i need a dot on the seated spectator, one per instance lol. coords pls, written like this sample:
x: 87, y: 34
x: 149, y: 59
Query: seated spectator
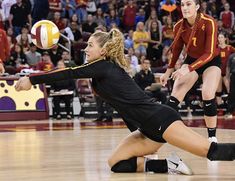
x: 32, y: 56
x: 66, y: 58
x: 68, y: 8
x: 141, y: 39
x: 134, y: 60
x: 146, y: 81
x: 24, y: 42
x: 55, y: 54
x: 24, y: 30
x: 167, y: 32
x: 140, y: 17
x: 45, y: 64
x: 58, y: 21
x: 128, y: 43
x: 67, y: 85
x: 130, y: 69
x: 89, y: 26
x: 112, y: 19
x: 81, y: 9
x: 154, y: 50
x: 99, y: 17
x: 17, y: 59
x: 73, y: 32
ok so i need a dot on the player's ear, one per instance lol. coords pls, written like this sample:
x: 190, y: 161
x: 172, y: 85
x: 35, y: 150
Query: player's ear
x: 103, y: 52
x: 197, y: 7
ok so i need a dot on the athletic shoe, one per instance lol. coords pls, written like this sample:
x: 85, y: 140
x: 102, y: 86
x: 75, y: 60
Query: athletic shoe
x: 213, y: 139
x: 177, y: 166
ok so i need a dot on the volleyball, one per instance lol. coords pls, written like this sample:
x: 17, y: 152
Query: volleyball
x: 45, y: 34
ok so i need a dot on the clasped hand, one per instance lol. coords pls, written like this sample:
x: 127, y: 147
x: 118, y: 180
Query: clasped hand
x: 180, y: 72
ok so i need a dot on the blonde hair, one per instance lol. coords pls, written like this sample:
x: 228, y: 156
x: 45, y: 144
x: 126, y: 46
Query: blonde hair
x: 113, y: 42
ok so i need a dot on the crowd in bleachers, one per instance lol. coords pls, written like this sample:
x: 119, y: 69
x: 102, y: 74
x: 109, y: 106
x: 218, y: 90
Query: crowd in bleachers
x: 147, y: 26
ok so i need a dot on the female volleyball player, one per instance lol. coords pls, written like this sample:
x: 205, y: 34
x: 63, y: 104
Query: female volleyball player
x: 198, y: 33
x: 225, y: 51
x: 155, y: 124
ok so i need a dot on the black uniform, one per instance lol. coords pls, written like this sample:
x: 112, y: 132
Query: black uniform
x: 114, y: 85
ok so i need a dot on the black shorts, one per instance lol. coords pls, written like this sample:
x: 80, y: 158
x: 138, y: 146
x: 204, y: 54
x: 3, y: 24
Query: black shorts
x: 154, y: 127
x: 216, y: 61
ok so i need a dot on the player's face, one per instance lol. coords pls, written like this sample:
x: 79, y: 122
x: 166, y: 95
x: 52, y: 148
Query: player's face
x: 221, y: 39
x: 93, y: 50
x: 189, y: 8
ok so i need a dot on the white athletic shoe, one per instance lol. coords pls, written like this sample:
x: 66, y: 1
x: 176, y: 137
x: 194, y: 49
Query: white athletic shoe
x: 177, y: 166
x: 213, y: 139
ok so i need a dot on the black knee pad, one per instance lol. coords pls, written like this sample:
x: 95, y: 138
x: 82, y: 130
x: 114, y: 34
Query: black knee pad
x: 125, y: 166
x: 221, y: 152
x: 173, y: 102
x: 210, y: 108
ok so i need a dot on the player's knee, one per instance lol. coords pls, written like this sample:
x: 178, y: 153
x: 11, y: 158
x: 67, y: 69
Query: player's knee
x: 210, y: 108
x: 125, y: 166
x: 207, y: 94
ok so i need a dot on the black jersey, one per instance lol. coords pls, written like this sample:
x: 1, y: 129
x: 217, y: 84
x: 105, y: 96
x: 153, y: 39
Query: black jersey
x: 115, y: 86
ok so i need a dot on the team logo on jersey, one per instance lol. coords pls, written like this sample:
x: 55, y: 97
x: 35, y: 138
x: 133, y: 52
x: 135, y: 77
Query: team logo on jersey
x: 203, y: 27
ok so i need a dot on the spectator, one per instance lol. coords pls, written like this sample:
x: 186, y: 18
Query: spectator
x: 129, y: 40
x: 154, y: 50
x: 112, y: 19
x: 90, y: 25
x: 146, y: 81
x: 140, y: 17
x: 55, y: 54
x: 99, y: 17
x: 152, y: 17
x: 66, y: 58
x: 129, y: 15
x: 68, y: 8
x: 55, y: 6
x: 19, y: 17
x: 17, y: 59
x: 33, y: 57
x: 58, y: 21
x: 204, y: 8
x: 45, y: 64
x: 81, y: 12
x: 6, y: 6
x: 141, y: 39
x: 40, y: 10
x: 67, y: 85
x: 167, y: 32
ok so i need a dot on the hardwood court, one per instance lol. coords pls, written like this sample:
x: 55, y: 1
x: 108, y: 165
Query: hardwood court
x: 74, y: 151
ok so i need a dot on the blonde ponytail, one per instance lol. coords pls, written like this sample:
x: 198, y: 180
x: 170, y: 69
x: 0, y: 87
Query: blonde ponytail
x: 113, y: 42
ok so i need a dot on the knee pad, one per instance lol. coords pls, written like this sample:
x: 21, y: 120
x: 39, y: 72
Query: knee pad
x: 210, y: 108
x: 221, y: 152
x: 125, y: 166
x: 173, y: 102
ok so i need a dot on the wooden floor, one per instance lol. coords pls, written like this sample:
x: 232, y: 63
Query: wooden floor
x: 73, y: 152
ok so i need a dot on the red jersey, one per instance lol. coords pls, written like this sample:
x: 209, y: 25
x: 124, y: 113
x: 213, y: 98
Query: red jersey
x: 203, y: 44
x: 224, y: 54
x: 4, y: 46
x: 129, y: 15
x: 227, y: 19
x: 55, y: 5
